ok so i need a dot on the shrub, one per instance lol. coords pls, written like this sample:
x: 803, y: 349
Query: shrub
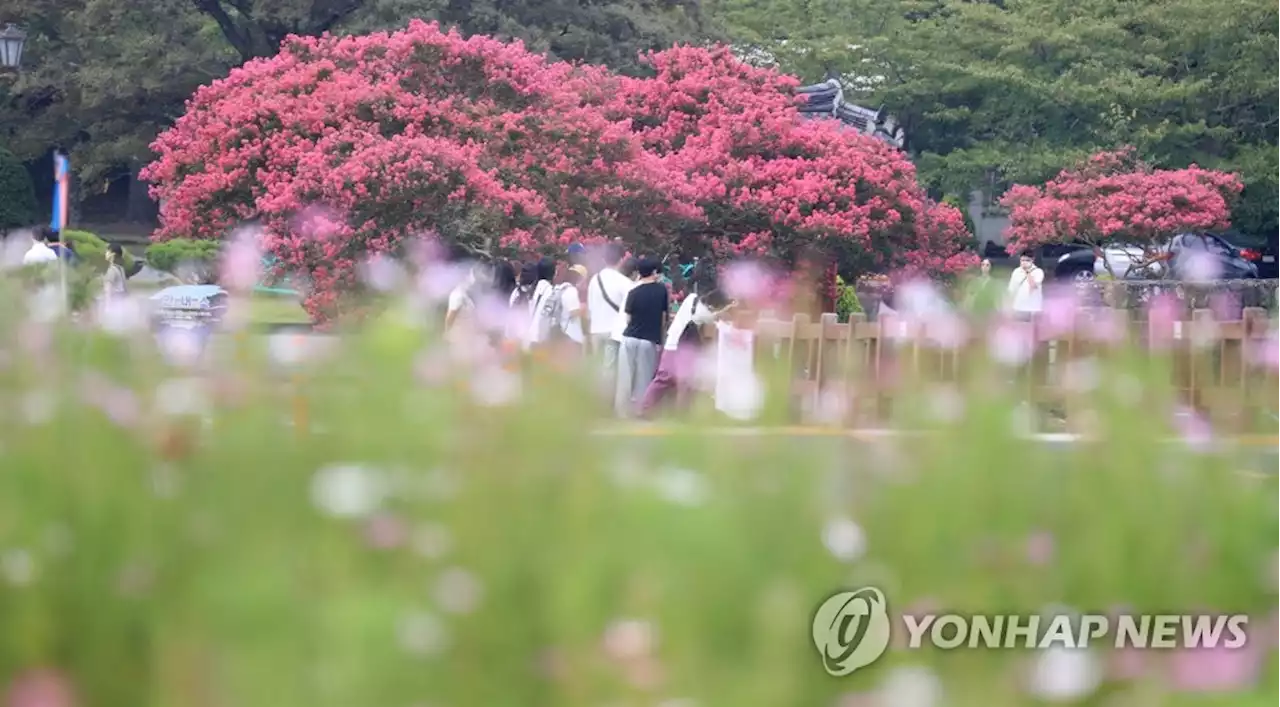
x: 18, y: 206
x: 170, y: 256
x: 847, y: 302
x: 92, y: 250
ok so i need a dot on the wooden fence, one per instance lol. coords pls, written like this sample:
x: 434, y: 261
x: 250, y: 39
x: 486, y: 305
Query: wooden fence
x: 1213, y: 365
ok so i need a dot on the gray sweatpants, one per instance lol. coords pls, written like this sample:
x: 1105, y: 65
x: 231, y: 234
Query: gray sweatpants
x: 637, y: 363
x: 606, y: 349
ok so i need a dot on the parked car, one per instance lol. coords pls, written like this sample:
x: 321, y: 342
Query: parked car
x: 1082, y: 261
x: 1259, y: 251
x: 1175, y: 259
x: 1229, y: 262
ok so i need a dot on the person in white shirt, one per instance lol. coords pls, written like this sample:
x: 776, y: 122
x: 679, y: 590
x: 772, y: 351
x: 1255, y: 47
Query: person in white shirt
x: 558, y: 319
x: 539, y: 328
x: 1026, y: 288
x: 678, y: 366
x: 39, y: 252
x: 529, y: 285
x: 606, y: 293
x: 462, y: 304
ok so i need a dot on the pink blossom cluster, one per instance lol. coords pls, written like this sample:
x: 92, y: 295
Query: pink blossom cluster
x: 344, y: 147
x: 1114, y: 196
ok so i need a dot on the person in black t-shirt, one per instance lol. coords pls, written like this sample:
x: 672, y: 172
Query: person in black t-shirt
x: 646, y: 310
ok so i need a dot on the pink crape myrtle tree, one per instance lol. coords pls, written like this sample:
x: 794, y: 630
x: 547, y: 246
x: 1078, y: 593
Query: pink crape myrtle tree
x: 769, y: 183
x: 1115, y: 198
x: 342, y: 149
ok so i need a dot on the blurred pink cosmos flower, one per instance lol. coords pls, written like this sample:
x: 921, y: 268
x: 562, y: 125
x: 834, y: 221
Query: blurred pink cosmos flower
x: 180, y: 346
x: 382, y: 273
x: 35, y: 338
x: 630, y: 639
x: 947, y: 331
x: 241, y: 264
x: 1193, y: 429
x: 437, y: 280
x: 432, y: 367
x: 1164, y: 312
x: 1011, y: 343
x: 1126, y: 664
x: 1266, y: 352
x: 318, y: 223
x: 829, y: 406
x: 1040, y: 548
x: 746, y: 281
x: 1226, y: 306
x: 1106, y: 326
x: 385, y: 531
x: 1200, y: 266
x: 1058, y: 316
x: 122, y: 316
x: 119, y: 404
x: 40, y: 688
x: 1217, y: 668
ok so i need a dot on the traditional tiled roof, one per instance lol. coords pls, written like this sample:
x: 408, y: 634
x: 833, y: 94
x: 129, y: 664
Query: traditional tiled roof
x: 827, y: 99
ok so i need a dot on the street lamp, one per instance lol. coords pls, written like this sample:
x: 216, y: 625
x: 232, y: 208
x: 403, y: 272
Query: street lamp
x: 11, y: 40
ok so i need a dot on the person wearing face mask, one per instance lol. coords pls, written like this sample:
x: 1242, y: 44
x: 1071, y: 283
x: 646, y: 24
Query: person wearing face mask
x: 1026, y: 288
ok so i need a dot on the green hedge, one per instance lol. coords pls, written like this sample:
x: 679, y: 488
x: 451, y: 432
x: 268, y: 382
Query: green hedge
x: 18, y: 206
x: 92, y: 250
x: 169, y: 256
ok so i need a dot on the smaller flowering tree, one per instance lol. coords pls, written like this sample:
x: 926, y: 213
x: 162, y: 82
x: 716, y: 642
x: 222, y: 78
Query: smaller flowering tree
x: 1113, y: 197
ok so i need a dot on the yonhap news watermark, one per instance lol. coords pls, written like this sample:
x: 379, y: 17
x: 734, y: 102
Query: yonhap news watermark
x: 852, y: 629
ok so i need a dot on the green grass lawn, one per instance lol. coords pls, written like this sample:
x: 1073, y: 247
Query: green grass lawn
x: 278, y: 309
x: 265, y: 308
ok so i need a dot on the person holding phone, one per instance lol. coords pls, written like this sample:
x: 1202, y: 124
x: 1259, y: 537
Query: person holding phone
x: 1026, y: 288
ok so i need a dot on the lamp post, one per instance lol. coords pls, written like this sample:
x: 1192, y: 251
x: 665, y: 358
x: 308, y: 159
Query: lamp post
x: 12, y: 39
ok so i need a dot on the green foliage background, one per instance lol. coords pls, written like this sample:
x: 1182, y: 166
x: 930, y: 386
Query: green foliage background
x: 17, y: 195
x: 994, y: 93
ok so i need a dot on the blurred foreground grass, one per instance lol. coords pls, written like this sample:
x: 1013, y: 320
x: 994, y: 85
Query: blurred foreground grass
x: 381, y: 524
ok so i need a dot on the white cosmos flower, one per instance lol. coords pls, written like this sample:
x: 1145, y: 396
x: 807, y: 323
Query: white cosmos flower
x: 39, y: 407
x: 432, y: 541
x: 122, y: 316
x: 182, y: 396
x: 845, y: 539
x: 1064, y: 674
x: 287, y: 349
x: 681, y: 486
x: 423, y: 633
x: 348, y: 490
x: 495, y: 387
x: 47, y: 304
x: 18, y: 567
x: 911, y: 686
x: 457, y: 591
x: 946, y: 403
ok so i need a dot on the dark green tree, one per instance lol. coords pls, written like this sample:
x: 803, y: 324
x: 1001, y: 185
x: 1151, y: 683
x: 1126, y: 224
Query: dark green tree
x: 992, y: 93
x: 17, y: 195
